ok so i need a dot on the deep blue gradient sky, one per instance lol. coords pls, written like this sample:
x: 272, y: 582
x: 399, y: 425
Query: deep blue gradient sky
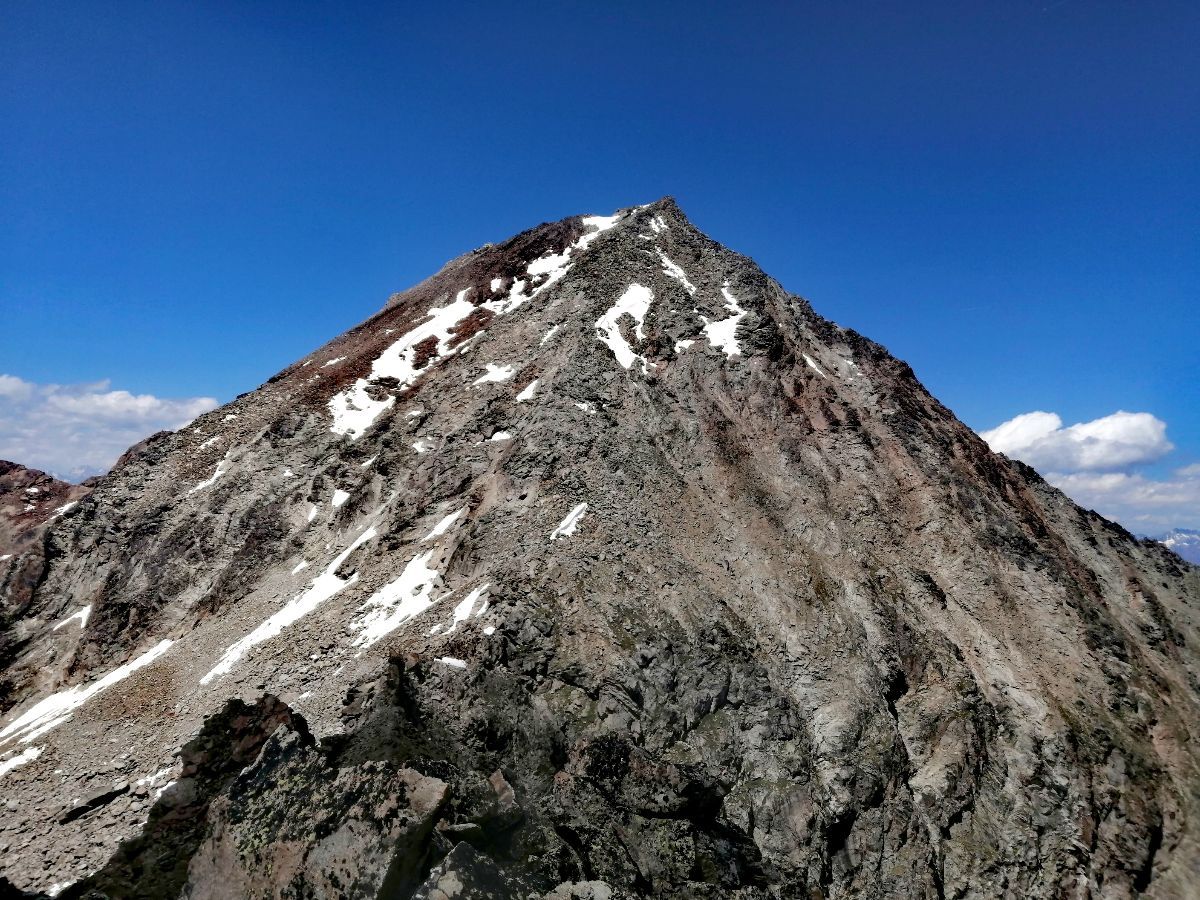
x: 1006, y: 194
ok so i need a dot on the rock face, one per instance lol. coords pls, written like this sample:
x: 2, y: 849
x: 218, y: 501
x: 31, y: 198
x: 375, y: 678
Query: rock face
x: 29, y: 500
x: 597, y: 566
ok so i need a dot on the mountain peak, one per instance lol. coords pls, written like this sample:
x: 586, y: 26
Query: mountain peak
x: 607, y: 565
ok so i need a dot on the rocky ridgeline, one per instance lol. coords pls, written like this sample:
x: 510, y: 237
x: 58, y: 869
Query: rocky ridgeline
x: 595, y: 566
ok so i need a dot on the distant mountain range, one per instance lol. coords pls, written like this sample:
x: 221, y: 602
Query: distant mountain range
x: 1185, y: 542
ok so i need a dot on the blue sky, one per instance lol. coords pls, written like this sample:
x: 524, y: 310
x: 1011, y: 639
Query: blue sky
x: 1006, y: 194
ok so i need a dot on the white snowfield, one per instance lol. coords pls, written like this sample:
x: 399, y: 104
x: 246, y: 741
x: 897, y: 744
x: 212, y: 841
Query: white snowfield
x: 339, y: 497
x: 443, y: 526
x: 452, y: 662
x: 321, y: 589
x: 812, y: 364
x: 722, y: 334
x: 29, y: 754
x: 528, y: 392
x: 57, y: 708
x: 82, y: 615
x: 397, y: 601
x: 222, y: 468
x: 635, y: 302
x: 466, y: 607
x: 354, y: 411
x: 495, y: 373
x: 669, y: 268
x: 567, y: 526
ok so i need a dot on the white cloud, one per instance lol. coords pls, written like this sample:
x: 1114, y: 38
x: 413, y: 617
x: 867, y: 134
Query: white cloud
x: 1094, y: 463
x: 76, y: 430
x: 1103, y: 445
x: 13, y: 388
x: 1141, y: 504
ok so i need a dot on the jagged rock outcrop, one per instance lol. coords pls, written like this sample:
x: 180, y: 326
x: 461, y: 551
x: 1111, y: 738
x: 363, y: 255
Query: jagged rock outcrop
x: 28, y: 499
x: 598, y: 565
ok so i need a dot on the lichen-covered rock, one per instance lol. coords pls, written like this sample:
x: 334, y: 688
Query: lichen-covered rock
x: 293, y: 825
x: 465, y: 875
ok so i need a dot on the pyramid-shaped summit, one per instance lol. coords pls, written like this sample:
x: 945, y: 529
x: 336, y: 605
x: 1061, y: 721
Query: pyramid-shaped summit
x: 596, y: 565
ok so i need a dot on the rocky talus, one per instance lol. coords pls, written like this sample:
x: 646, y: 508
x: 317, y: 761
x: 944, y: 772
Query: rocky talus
x: 595, y: 566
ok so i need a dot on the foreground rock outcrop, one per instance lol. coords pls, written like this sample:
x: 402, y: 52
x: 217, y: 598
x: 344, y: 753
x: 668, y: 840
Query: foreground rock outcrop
x: 596, y: 566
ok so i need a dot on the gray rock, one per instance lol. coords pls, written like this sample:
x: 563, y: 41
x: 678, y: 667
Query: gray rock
x: 810, y: 637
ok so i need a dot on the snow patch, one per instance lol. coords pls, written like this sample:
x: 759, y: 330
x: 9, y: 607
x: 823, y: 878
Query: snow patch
x: 567, y: 526
x: 657, y: 225
x: 463, y: 610
x: 82, y: 615
x: 322, y: 588
x: 501, y: 436
x: 300, y: 567
x: 680, y: 346
x: 669, y: 268
x: 59, y: 510
x: 339, y: 497
x: 551, y: 266
x: 635, y: 302
x: 422, y: 446
x: 722, y: 334
x: 222, y: 468
x: 812, y: 364
x: 333, y: 362
x: 443, y: 526
x: 29, y: 754
x: 452, y: 662
x: 57, y: 708
x: 397, y: 601
x: 527, y: 393
x: 367, y: 464
x: 354, y: 411
x: 549, y: 334
x: 495, y: 373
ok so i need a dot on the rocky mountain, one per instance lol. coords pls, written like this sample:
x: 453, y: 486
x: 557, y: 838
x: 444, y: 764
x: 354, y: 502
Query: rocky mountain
x: 28, y: 499
x: 596, y: 565
x: 1185, y: 542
